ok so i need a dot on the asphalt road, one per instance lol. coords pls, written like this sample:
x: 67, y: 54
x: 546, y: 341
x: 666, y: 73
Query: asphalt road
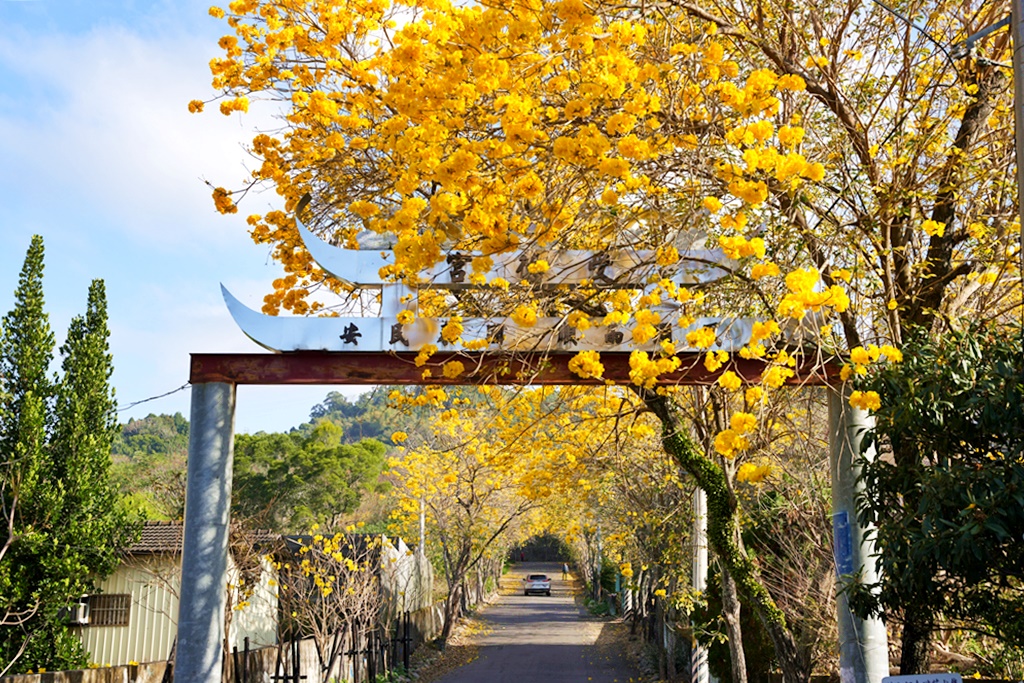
x: 541, y: 639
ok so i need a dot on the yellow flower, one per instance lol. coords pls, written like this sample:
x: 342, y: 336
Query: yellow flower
x: 776, y: 376
x: 743, y: 423
x: 364, y: 209
x: 713, y: 361
x: 196, y: 106
x: 865, y: 400
x: 579, y: 320
x: 453, y: 369
x: 222, y: 200
x: 933, y: 228
x: 712, y: 204
x: 237, y: 104
x: 814, y: 172
x: 761, y: 270
x: 667, y: 255
x: 860, y: 356
x: 539, y: 266
x: 729, y: 443
x: 730, y: 380
x: 892, y: 353
x: 452, y: 330
x: 530, y: 185
x: 405, y: 317
x: 753, y: 474
x: 763, y: 330
x: 790, y: 136
x: 702, y: 338
x: 587, y: 364
x: 525, y: 316
x: 794, y: 83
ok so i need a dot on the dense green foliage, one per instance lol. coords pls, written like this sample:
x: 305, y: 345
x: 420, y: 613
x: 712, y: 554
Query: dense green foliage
x: 149, y: 464
x: 291, y: 481
x: 947, y: 495
x: 369, y: 417
x: 316, y: 473
x: 62, y: 521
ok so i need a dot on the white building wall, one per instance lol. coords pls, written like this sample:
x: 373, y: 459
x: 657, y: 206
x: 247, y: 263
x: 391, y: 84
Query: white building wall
x: 258, y: 619
x: 153, y: 582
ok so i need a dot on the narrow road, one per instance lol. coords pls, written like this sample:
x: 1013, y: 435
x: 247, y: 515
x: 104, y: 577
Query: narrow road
x: 541, y: 639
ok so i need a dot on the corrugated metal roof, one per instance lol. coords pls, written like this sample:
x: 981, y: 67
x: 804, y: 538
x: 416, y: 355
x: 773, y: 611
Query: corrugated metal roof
x: 158, y: 538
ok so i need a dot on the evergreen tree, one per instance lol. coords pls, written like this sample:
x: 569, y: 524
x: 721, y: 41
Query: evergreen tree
x: 26, y: 349
x: 61, y: 517
x: 84, y: 429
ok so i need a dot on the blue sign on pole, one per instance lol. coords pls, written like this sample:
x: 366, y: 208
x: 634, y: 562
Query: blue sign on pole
x: 842, y: 536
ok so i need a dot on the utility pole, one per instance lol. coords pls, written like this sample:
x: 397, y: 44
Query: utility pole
x: 699, y: 672
x: 422, y: 548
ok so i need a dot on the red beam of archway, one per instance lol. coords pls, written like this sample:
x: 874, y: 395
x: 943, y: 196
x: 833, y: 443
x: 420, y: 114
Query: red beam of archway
x: 385, y: 367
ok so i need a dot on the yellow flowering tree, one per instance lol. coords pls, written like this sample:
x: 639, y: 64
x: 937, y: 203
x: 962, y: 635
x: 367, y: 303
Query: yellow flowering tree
x: 543, y: 126
x: 478, y: 479
x: 849, y: 180
x: 329, y: 590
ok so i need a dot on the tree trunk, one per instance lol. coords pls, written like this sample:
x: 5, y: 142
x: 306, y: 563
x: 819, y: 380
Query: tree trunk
x: 917, y: 640
x: 731, y: 613
x: 451, y: 613
x: 723, y: 529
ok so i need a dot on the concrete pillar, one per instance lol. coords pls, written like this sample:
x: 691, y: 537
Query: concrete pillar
x: 204, y: 559
x: 863, y: 644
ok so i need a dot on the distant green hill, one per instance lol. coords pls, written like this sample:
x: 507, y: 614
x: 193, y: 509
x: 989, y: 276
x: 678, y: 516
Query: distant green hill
x: 149, y: 457
x: 274, y: 473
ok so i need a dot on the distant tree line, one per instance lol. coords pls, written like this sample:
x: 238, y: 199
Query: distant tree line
x: 316, y: 473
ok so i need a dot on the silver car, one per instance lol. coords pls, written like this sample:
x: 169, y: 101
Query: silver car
x: 537, y: 583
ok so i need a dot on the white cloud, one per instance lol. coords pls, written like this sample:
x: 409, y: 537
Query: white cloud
x: 103, y: 159
x: 114, y: 129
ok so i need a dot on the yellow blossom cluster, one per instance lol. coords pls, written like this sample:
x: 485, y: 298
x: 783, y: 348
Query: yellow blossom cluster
x: 587, y: 364
x: 865, y: 400
x: 861, y: 357
x: 484, y: 128
x: 804, y: 295
x: 753, y: 474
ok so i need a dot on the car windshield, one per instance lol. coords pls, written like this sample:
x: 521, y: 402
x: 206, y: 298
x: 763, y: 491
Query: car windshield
x: 537, y: 577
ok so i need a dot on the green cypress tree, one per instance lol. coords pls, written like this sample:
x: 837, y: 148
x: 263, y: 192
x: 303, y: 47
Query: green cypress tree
x: 62, y: 521
x: 30, y: 498
x: 84, y: 429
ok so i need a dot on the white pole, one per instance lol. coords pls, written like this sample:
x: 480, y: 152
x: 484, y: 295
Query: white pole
x: 422, y: 549
x: 699, y: 672
x: 863, y: 643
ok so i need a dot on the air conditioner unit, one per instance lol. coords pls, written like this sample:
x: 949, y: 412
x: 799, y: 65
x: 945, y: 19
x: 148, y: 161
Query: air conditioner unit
x: 78, y: 614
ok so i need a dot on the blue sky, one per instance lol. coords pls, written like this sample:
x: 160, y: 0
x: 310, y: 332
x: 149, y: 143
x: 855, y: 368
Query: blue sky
x: 99, y: 155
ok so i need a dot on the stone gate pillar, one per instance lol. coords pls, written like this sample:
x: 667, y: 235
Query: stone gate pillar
x: 204, y: 558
